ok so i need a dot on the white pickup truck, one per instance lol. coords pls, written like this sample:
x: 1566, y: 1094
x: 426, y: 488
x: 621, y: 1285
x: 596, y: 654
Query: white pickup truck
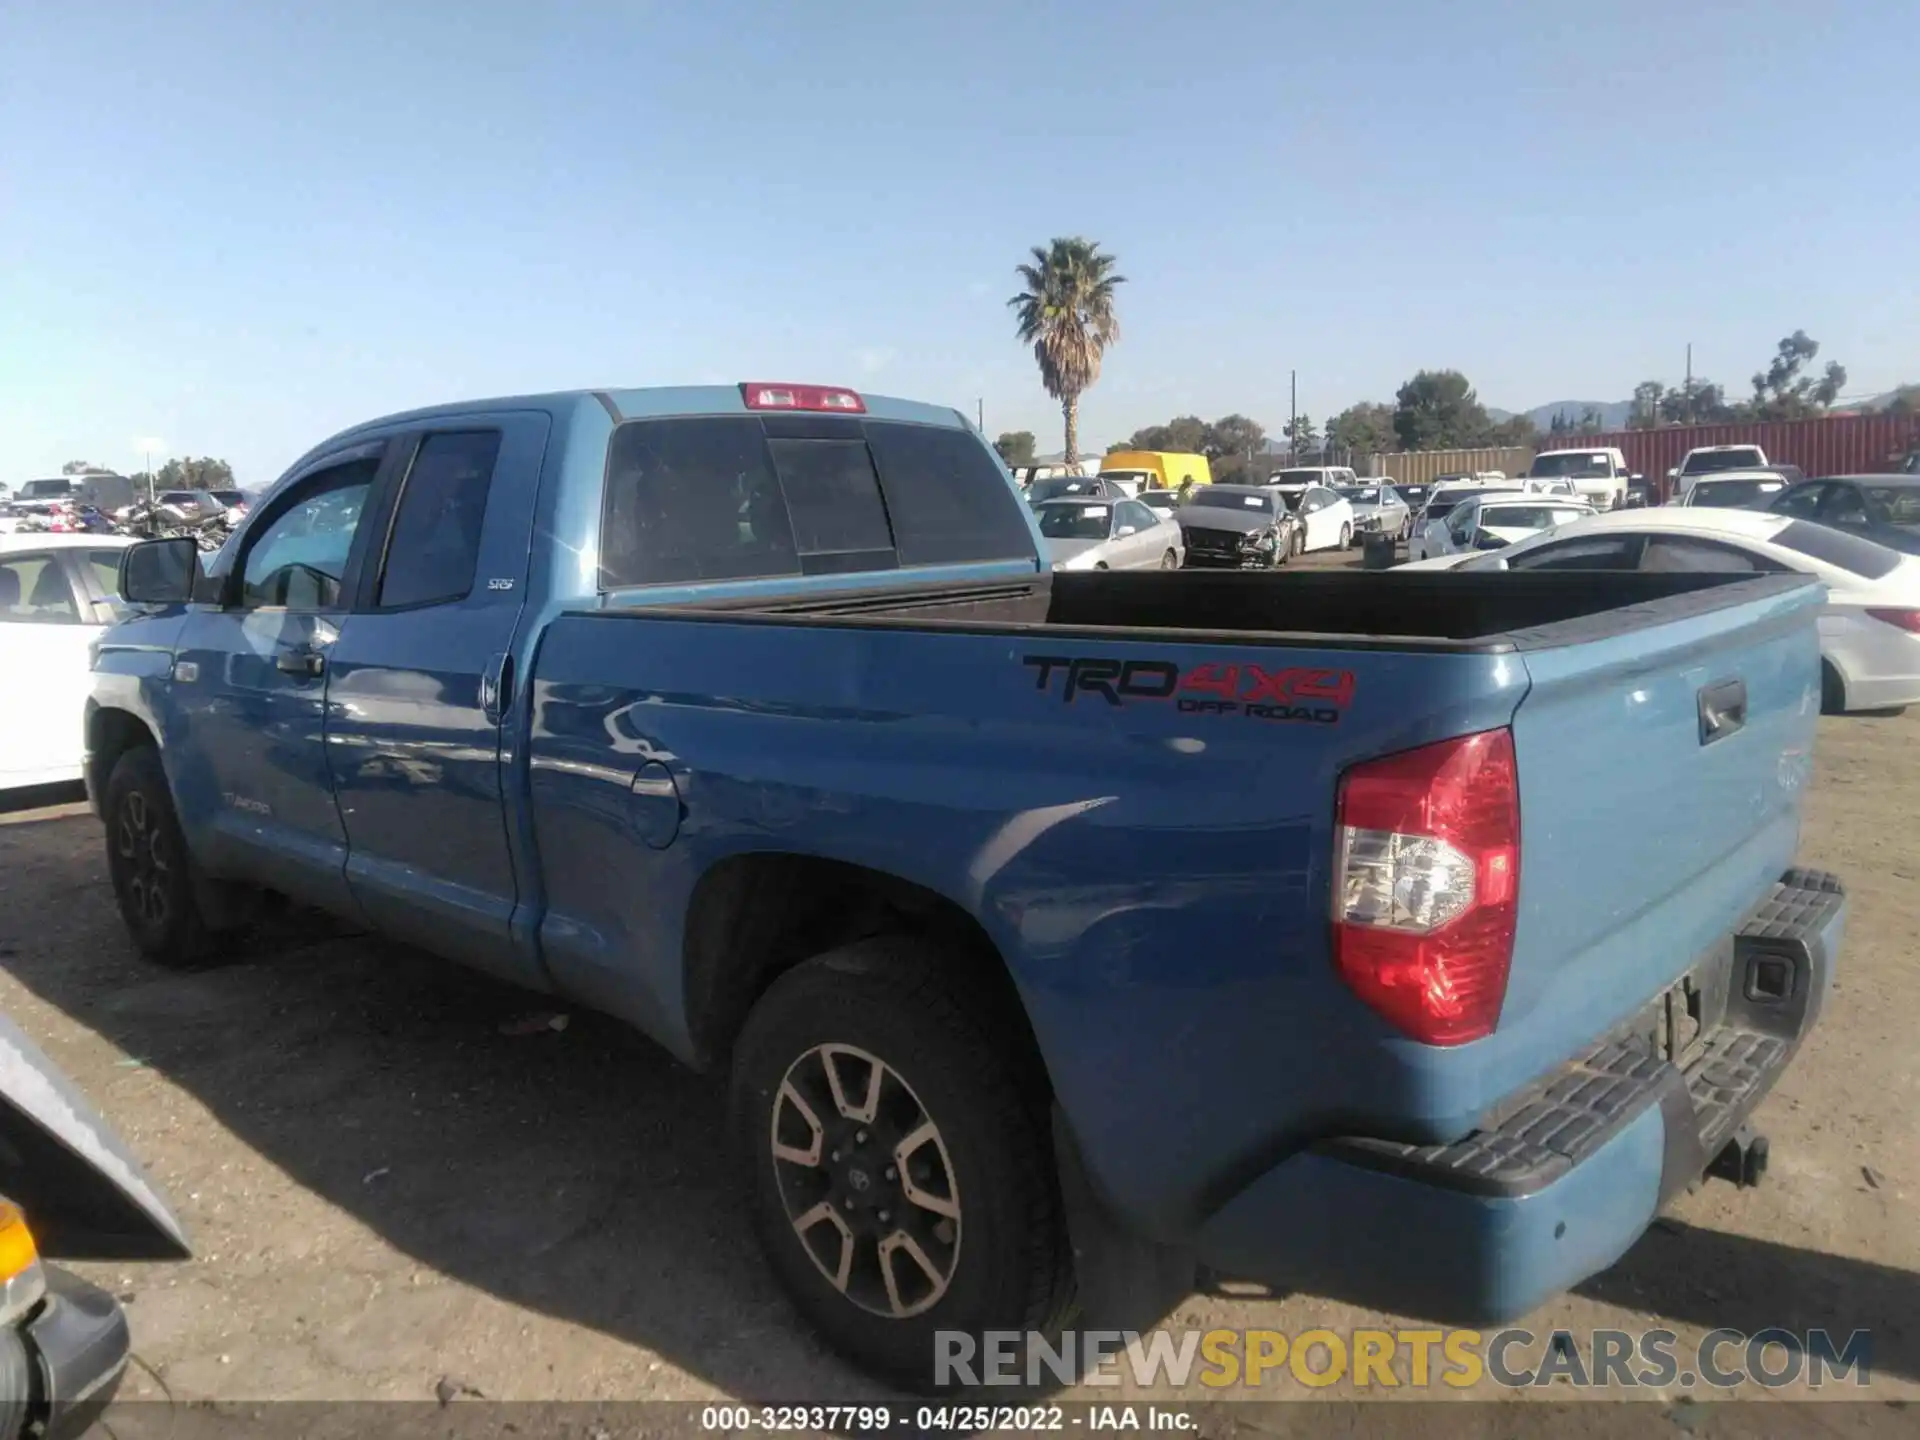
x: 1599, y: 475
x: 1711, y: 460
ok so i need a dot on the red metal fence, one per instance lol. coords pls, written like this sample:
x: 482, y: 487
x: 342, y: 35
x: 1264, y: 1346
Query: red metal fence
x: 1831, y: 445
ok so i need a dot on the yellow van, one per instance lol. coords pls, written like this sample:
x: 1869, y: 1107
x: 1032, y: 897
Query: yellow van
x: 1138, y: 470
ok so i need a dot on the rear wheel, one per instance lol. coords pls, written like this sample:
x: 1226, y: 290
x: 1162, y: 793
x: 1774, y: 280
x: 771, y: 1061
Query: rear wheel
x: 1833, y: 690
x: 148, y: 864
x: 899, y: 1159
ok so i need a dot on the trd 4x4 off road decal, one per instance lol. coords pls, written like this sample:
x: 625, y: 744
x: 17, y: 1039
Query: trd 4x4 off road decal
x: 1295, y: 693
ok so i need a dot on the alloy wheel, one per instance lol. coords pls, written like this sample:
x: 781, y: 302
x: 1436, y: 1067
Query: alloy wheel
x: 866, y: 1180
x: 143, y: 854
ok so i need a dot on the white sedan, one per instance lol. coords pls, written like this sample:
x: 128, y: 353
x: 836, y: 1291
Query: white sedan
x: 1869, y: 628
x: 1109, y: 535
x: 1487, y: 522
x: 1325, y: 515
x: 57, y: 593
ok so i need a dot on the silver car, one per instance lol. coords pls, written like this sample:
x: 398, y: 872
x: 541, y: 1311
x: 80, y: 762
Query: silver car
x: 1378, y: 510
x: 1108, y: 535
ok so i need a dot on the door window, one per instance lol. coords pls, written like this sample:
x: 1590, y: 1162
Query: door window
x: 1844, y: 505
x: 299, y: 560
x: 1598, y: 552
x: 1687, y: 554
x: 34, y: 590
x: 1802, y: 502
x: 434, y: 547
x: 106, y: 571
x: 1133, y: 513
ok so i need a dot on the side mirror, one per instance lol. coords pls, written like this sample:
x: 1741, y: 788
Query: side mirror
x: 1126, y: 530
x: 1486, y: 540
x: 159, y: 572
x: 1673, y: 474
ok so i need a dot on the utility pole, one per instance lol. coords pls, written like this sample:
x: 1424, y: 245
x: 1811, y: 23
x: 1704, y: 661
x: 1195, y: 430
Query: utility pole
x: 980, y: 413
x: 1688, y: 392
x: 1293, y: 416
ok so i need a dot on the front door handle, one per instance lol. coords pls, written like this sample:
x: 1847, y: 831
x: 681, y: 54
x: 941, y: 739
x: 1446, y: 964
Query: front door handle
x: 305, y: 663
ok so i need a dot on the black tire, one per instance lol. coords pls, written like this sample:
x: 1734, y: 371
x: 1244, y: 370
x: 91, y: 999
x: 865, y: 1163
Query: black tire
x: 1170, y: 561
x: 1346, y: 537
x: 1833, y: 691
x: 1296, y: 544
x: 147, y: 860
x: 1008, y: 1265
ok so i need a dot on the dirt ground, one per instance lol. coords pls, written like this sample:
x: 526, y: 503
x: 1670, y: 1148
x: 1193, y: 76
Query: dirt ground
x: 387, y: 1192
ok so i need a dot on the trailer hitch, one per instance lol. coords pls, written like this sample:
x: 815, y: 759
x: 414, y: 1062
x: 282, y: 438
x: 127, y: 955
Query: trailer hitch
x: 1742, y: 1161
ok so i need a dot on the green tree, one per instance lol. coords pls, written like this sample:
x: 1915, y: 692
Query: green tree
x: 1905, y: 400
x: 1067, y: 314
x: 1016, y: 447
x: 1784, y: 392
x: 79, y: 467
x: 1647, y: 396
x: 1514, y: 430
x: 1302, y: 438
x: 1363, y: 429
x: 1438, y: 410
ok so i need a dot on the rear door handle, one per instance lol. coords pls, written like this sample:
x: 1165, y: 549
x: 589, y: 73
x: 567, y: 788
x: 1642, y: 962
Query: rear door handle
x: 303, y: 662
x: 1723, y: 709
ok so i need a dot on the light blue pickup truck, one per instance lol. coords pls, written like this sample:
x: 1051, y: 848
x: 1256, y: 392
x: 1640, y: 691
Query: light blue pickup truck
x: 1409, y: 938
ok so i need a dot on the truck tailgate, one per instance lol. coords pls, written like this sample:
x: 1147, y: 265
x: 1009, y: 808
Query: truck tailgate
x: 1661, y: 775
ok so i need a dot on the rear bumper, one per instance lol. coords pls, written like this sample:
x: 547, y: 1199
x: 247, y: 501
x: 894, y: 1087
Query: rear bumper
x: 1569, y: 1172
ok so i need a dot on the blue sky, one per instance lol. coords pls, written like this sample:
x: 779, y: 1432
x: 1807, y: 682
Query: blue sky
x: 238, y: 227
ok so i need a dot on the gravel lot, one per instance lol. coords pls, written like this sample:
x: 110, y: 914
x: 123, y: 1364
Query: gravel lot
x: 388, y: 1192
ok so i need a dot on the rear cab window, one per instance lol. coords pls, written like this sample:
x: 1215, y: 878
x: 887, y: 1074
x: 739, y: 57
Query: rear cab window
x: 724, y: 497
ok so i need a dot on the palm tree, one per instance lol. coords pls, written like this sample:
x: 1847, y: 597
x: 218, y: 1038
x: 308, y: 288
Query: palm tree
x: 1066, y: 313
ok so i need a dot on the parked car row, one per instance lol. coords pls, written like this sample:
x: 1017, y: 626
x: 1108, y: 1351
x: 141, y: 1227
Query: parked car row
x: 1869, y: 626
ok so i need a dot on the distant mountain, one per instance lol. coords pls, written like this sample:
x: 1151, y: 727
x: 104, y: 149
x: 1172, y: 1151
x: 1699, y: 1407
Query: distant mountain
x: 1614, y: 414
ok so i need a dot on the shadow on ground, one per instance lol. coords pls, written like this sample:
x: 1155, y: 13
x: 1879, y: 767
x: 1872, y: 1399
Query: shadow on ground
x: 583, y: 1173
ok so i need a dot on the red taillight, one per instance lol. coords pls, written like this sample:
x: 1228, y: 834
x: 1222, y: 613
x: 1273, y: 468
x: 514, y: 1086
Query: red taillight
x: 1908, y: 620
x: 771, y: 395
x: 1426, y: 885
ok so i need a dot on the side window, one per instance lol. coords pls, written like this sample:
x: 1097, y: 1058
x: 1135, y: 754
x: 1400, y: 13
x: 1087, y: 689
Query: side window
x: 1137, y: 515
x: 692, y: 499
x: 1598, y: 552
x: 300, y: 559
x: 1690, y: 555
x: 1843, y: 505
x: 34, y: 590
x: 106, y: 571
x: 1461, y: 525
x: 948, y: 504
x: 1802, y: 502
x: 434, y: 544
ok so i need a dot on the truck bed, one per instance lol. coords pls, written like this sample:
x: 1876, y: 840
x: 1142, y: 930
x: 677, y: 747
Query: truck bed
x: 1444, y: 611
x: 1128, y: 783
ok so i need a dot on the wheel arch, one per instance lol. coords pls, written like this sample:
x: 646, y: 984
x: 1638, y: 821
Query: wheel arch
x: 110, y: 733
x: 754, y: 916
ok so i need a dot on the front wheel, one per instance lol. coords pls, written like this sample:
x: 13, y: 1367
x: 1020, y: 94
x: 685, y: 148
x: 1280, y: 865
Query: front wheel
x: 1296, y: 545
x: 148, y: 864
x: 898, y: 1158
x: 1346, y: 537
x: 1170, y: 561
